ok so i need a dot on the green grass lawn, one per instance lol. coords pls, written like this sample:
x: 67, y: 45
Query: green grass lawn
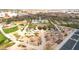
x: 9, y: 30
x: 32, y: 25
x: 2, y: 38
x: 5, y: 45
x: 4, y: 42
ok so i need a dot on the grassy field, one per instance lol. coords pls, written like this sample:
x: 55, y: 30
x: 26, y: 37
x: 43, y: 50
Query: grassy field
x: 5, y: 45
x: 9, y: 30
x: 4, y: 42
x: 32, y: 25
x: 2, y: 38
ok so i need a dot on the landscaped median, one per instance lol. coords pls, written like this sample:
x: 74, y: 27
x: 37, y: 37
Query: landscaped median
x: 9, y: 30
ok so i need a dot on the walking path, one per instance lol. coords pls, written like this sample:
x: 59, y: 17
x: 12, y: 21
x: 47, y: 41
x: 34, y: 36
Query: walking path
x: 12, y: 38
x: 28, y: 45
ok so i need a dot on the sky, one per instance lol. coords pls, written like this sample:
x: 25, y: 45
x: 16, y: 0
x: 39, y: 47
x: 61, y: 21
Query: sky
x: 39, y: 4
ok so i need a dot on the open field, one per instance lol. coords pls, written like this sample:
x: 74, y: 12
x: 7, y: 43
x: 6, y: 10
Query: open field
x: 9, y: 30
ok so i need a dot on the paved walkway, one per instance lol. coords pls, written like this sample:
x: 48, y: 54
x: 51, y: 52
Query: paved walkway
x: 15, y: 46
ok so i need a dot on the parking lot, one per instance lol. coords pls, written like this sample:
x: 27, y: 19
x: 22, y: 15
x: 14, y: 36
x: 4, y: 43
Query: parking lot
x: 72, y: 43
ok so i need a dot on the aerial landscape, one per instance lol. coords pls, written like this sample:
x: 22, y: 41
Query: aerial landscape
x: 39, y: 29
